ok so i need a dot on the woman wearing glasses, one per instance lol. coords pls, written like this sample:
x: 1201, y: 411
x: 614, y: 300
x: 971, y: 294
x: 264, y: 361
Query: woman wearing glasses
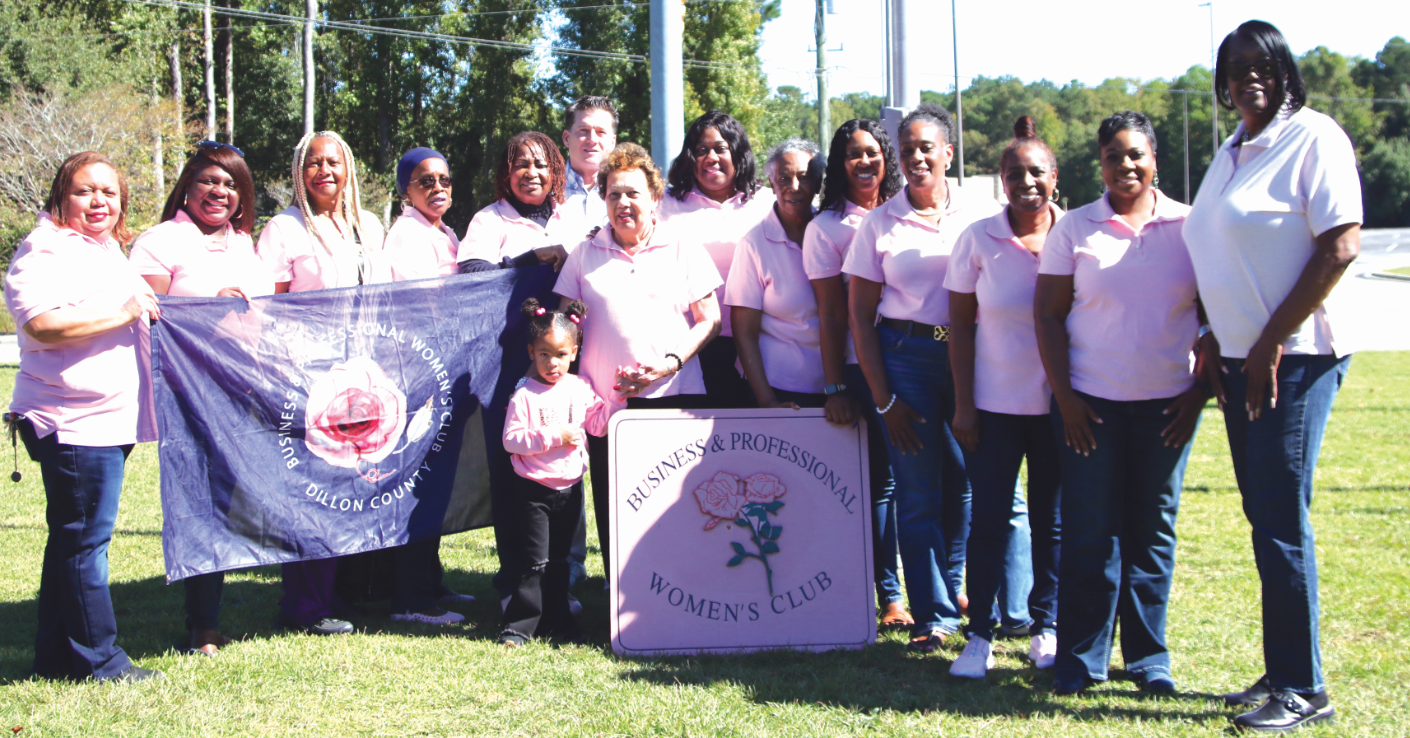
x: 1276, y: 223
x: 715, y: 198
x: 525, y: 225
x: 202, y: 248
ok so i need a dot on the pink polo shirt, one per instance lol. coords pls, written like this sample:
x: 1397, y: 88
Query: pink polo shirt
x: 767, y: 275
x: 415, y: 249
x: 294, y: 255
x: 638, y: 306
x: 1133, y: 323
x: 899, y: 249
x: 990, y: 263
x: 532, y: 428
x: 498, y: 231
x: 825, y: 246
x: 94, y: 391
x: 197, y: 265
x: 718, y: 226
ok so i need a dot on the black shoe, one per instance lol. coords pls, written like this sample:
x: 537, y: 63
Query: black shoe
x: 320, y: 627
x: 1157, y: 683
x: 1251, y: 697
x: 134, y: 674
x: 1022, y: 631
x: 1285, y: 711
x: 1064, y: 688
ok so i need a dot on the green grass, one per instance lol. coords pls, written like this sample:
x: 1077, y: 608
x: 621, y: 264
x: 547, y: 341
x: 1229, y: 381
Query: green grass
x: 395, y: 680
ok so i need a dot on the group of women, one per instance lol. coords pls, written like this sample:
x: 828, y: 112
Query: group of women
x: 971, y: 338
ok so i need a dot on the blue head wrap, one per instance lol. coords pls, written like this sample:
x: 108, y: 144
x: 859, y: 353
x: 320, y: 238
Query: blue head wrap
x: 409, y: 161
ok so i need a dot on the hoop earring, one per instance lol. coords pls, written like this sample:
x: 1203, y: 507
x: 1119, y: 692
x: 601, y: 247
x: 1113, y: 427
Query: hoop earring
x: 1053, y: 197
x: 947, y: 166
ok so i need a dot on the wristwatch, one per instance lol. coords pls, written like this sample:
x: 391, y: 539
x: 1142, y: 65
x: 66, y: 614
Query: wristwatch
x: 832, y: 389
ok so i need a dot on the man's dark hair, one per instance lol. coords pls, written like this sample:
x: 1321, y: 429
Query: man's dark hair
x: 589, y: 103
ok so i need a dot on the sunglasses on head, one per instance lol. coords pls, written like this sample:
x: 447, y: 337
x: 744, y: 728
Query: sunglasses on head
x: 219, y: 145
x: 1266, y: 68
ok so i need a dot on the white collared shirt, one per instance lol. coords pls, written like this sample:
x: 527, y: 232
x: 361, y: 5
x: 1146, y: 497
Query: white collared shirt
x: 582, y: 204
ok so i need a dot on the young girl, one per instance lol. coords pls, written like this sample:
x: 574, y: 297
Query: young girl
x: 544, y: 431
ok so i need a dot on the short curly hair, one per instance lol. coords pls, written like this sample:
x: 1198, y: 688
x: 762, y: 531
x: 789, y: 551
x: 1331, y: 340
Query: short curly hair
x: 557, y: 169
x: 625, y: 158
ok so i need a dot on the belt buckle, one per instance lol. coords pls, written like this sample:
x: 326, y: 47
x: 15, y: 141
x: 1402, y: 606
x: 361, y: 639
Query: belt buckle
x: 942, y: 333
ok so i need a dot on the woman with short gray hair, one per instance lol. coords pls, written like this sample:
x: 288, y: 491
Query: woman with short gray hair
x: 772, y: 306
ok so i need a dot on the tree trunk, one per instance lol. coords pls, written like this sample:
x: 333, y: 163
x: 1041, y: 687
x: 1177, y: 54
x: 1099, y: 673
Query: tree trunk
x: 175, y: 58
x: 311, y: 7
x: 229, y: 75
x: 158, y: 163
x: 208, y: 62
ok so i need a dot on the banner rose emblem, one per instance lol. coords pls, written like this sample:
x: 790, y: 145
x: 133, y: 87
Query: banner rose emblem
x: 355, y: 414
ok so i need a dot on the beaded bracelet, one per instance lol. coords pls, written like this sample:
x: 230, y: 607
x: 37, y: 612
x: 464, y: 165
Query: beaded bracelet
x: 888, y: 407
x: 679, y: 364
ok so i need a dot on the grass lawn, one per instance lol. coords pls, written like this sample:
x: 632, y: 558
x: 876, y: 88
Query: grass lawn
x: 397, y: 680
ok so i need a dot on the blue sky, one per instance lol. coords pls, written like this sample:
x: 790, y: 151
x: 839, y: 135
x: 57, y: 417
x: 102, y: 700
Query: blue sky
x: 1084, y: 40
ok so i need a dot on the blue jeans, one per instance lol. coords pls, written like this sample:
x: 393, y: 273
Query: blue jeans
x: 1274, y: 460
x: 1004, y: 440
x: 932, y: 491
x: 1118, y: 540
x: 77, y: 635
x: 884, y: 554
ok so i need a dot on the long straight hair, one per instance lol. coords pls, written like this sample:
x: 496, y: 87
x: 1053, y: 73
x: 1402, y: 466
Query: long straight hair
x: 349, y: 200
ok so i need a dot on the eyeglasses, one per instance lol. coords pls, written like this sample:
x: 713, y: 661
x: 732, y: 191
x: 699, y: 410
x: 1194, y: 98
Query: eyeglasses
x: 219, y: 145
x: 429, y: 181
x: 1266, y: 68
x: 721, y: 148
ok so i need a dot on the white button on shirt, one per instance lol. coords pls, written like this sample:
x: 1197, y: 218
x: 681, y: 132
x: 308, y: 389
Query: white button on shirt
x: 1254, y: 224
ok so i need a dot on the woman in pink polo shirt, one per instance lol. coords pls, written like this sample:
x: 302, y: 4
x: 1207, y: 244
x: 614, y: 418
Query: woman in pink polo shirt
x: 526, y: 225
x: 861, y: 174
x: 715, y: 198
x: 899, y: 314
x: 651, y: 306
x: 1001, y: 401
x: 82, y: 399
x: 419, y: 245
x: 202, y: 248
x: 1116, y: 314
x: 324, y: 240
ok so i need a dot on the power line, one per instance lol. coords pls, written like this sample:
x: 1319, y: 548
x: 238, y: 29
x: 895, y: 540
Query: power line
x: 139, y: 33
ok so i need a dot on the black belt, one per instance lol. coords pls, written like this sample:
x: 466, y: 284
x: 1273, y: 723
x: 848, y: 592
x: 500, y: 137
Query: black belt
x: 915, y: 328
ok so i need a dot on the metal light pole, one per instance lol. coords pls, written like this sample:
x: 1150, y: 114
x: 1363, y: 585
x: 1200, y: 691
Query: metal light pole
x: 1214, y: 92
x: 312, y: 14
x: 667, y: 80
x: 824, y: 113
x: 959, y: 104
x: 904, y: 89
x: 1186, y: 98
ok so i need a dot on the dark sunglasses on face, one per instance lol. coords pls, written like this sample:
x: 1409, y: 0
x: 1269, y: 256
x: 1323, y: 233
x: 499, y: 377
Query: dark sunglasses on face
x: 428, y: 182
x: 1265, y: 67
x: 219, y: 145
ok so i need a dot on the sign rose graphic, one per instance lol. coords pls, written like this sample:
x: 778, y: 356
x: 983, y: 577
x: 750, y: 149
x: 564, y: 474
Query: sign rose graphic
x: 355, y: 414
x: 747, y: 503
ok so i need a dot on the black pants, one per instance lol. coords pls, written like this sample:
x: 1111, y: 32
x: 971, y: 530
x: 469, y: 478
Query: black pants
x: 544, y: 523
x: 723, y: 385
x: 597, y: 463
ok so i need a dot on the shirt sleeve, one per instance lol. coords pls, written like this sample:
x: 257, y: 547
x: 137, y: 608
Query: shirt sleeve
x: 484, y: 237
x: 1331, y: 186
x: 521, y: 439
x: 965, y: 264
x: 568, y: 278
x: 821, y: 257
x: 144, y: 258
x: 32, y: 286
x: 274, y: 250
x: 862, y: 258
x: 600, y: 411
x: 1059, y: 255
x: 745, y: 286
x: 701, y: 278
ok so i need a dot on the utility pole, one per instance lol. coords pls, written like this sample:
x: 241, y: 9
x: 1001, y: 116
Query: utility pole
x: 229, y: 76
x: 667, y: 80
x: 1186, y: 99
x: 209, y: 65
x: 959, y: 104
x: 174, y: 54
x: 824, y: 113
x: 904, y: 89
x: 312, y: 15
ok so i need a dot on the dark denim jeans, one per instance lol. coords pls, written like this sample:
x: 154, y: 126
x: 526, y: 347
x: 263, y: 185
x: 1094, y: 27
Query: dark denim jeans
x: 203, y: 593
x: 884, y: 554
x: 77, y: 635
x: 310, y: 591
x: 932, y: 490
x: 546, y: 522
x: 1004, y: 441
x: 1274, y: 460
x: 1118, y: 540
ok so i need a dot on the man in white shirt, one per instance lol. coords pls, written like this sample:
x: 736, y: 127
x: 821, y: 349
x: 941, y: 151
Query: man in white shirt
x: 591, y: 132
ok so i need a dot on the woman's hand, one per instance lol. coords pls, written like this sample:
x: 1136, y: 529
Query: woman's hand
x: 776, y: 405
x: 554, y: 255
x: 1076, y: 418
x: 1209, y: 367
x: 899, y: 427
x: 841, y: 409
x: 1262, y: 370
x: 570, y: 435
x: 233, y: 292
x: 1186, y: 408
x: 633, y: 380
x: 965, y: 426
x: 142, y: 302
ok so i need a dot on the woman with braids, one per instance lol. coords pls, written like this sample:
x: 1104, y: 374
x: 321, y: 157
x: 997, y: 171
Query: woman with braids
x: 861, y: 174
x: 715, y: 198
x: 203, y: 248
x: 1001, y: 403
x: 82, y: 400
x: 545, y: 430
x: 324, y: 240
x: 900, y: 316
x: 525, y: 226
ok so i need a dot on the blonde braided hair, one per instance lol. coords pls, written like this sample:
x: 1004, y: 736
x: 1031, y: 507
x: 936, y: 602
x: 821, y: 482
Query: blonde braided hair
x: 349, y: 199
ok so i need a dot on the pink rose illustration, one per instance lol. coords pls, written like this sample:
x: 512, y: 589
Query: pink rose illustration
x: 720, y: 497
x: 763, y: 488
x: 355, y: 414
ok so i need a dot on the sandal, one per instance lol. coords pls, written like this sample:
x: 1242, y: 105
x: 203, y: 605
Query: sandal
x: 895, y: 616
x: 927, y: 643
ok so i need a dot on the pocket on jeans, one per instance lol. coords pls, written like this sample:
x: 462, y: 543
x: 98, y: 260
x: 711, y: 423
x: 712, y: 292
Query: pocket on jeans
x: 890, y: 339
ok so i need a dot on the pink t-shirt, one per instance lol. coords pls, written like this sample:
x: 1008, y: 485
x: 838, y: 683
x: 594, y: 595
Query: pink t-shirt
x: 294, y: 255
x: 767, y: 275
x: 1133, y: 323
x: 531, y: 429
x: 94, y: 391
x: 498, y: 231
x: 990, y: 263
x: 899, y: 249
x: 198, y: 266
x: 718, y: 226
x: 825, y: 246
x: 638, y: 306
x: 415, y: 249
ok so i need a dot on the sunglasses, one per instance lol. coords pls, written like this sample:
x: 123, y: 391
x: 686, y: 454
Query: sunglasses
x: 1265, y: 67
x: 219, y: 145
x: 429, y: 181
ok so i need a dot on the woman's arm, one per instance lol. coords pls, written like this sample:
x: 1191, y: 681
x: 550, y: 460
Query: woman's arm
x: 1336, y: 249
x: 748, y: 324
x: 831, y: 295
x: 964, y: 310
x: 1052, y: 302
x: 706, y: 312
x: 864, y: 296
x: 159, y: 283
x: 68, y: 323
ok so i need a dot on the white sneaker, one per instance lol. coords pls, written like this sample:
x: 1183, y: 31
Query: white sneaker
x: 1042, y: 650
x: 445, y: 618
x: 976, y: 661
